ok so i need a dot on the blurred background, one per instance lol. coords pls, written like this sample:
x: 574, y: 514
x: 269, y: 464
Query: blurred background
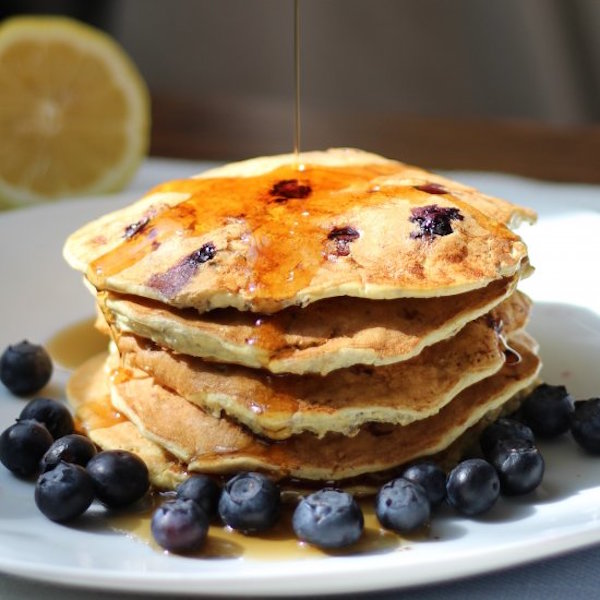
x: 504, y: 85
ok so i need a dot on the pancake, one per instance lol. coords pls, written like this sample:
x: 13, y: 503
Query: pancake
x: 205, y: 444
x: 278, y: 407
x: 263, y: 235
x: 324, y: 336
x: 88, y: 392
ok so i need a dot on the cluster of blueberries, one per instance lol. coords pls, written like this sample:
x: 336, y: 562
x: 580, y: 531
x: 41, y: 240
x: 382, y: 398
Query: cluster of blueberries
x: 72, y: 473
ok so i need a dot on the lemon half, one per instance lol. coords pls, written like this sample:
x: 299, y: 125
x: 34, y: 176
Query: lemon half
x: 74, y: 111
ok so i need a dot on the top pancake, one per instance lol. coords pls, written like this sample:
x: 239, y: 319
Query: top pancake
x: 264, y: 234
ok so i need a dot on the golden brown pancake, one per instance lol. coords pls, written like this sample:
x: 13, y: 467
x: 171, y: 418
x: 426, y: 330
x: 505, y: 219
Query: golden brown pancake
x: 88, y: 392
x: 280, y: 406
x: 324, y: 336
x: 220, y: 446
x: 263, y: 235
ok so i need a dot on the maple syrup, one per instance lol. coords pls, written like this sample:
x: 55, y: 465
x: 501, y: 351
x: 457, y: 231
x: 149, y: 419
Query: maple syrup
x: 297, y: 83
x: 277, y: 209
x: 277, y: 544
x: 88, y: 394
x: 75, y: 344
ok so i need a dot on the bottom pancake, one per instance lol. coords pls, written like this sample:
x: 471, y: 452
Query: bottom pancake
x: 176, y: 437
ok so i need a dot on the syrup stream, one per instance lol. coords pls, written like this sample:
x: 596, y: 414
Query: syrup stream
x: 297, y: 84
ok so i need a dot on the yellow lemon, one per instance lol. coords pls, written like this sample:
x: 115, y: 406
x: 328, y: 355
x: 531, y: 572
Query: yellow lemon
x: 74, y: 111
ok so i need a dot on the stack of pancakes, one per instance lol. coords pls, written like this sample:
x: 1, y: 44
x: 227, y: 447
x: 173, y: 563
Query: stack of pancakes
x: 327, y: 320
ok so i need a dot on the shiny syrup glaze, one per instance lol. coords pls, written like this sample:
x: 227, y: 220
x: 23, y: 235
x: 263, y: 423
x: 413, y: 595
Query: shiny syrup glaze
x: 291, y: 216
x: 72, y: 346
x: 279, y: 543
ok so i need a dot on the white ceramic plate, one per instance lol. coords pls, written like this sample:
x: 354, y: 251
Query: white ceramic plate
x: 40, y: 296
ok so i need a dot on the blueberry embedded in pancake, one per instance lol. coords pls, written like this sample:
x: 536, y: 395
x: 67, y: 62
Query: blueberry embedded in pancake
x: 274, y: 254
x: 319, y: 322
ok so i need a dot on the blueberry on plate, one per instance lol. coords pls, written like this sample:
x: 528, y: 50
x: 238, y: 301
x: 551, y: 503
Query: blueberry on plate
x: 585, y: 425
x: 22, y: 446
x: 472, y: 487
x: 431, y: 477
x: 180, y: 525
x: 402, y: 505
x: 25, y: 368
x: 120, y: 477
x: 64, y: 493
x: 203, y: 490
x: 519, y: 464
x: 73, y: 448
x: 54, y: 415
x: 504, y: 429
x: 250, y: 503
x: 547, y: 410
x: 328, y: 518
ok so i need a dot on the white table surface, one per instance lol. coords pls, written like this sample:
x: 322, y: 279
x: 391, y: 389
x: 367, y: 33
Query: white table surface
x: 575, y: 575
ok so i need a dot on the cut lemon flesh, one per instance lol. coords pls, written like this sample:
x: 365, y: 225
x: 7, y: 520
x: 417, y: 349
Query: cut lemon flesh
x: 74, y: 111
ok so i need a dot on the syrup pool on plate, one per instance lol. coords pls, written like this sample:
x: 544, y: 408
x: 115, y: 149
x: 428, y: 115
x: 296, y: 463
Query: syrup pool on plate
x: 76, y: 344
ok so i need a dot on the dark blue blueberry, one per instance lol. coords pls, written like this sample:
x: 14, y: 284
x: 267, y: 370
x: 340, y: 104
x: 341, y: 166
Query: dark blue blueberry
x: 290, y: 188
x: 135, y: 228
x: 519, y: 464
x: 504, y: 429
x: 205, y: 253
x: 342, y: 237
x: 120, y: 477
x: 54, y: 415
x: 203, y: 490
x: 433, y: 220
x: 73, y: 448
x: 250, y: 503
x: 64, y: 493
x: 431, y: 477
x: 547, y: 410
x: 25, y: 368
x: 180, y: 525
x: 585, y: 425
x: 329, y: 519
x: 402, y: 505
x: 22, y: 446
x: 473, y: 487
x: 432, y: 188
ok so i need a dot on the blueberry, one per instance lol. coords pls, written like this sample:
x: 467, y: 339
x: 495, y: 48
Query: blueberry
x: 250, y: 502
x: 180, y: 525
x: 431, y: 477
x: 64, y: 493
x: 203, y: 490
x: 120, y: 477
x: 73, y: 448
x: 25, y: 368
x: 328, y: 518
x: 547, y: 410
x: 585, y: 425
x: 54, y: 415
x: 402, y: 505
x: 22, y: 446
x: 519, y: 464
x: 504, y: 429
x: 473, y: 487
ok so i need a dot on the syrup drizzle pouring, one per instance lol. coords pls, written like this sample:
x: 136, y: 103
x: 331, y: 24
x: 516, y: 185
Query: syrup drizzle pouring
x: 297, y: 85
x: 511, y: 355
